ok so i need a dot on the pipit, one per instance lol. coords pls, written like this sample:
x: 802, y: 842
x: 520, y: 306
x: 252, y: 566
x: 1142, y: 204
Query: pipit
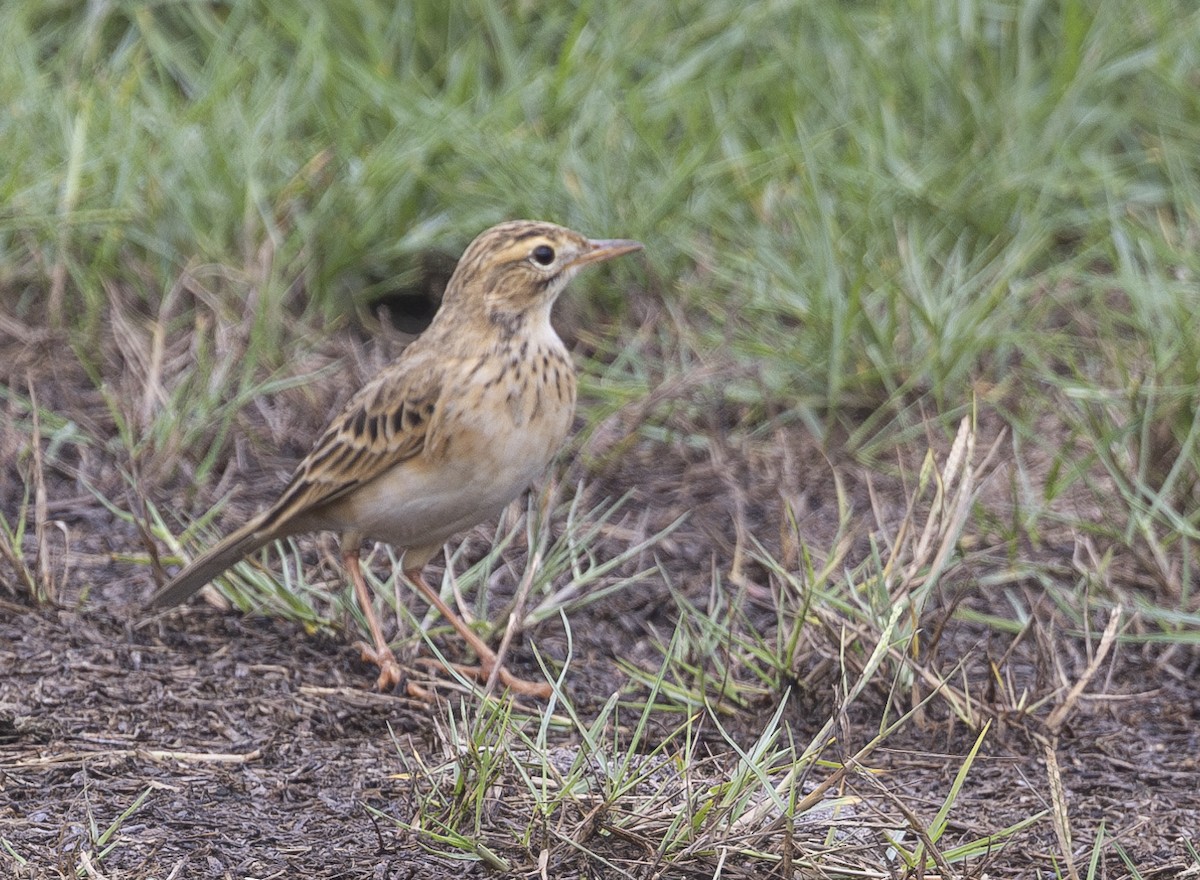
x: 445, y: 436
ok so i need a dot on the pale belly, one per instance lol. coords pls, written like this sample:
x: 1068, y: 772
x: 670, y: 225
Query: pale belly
x: 426, y: 500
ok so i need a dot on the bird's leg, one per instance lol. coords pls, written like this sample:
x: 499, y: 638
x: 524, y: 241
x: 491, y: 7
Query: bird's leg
x: 488, y: 661
x: 381, y: 654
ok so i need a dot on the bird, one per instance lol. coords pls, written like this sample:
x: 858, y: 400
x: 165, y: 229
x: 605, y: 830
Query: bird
x: 446, y: 435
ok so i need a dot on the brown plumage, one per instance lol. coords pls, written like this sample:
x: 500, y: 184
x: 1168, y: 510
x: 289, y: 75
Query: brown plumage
x: 446, y: 435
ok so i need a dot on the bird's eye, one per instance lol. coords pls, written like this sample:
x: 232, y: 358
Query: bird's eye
x: 543, y: 255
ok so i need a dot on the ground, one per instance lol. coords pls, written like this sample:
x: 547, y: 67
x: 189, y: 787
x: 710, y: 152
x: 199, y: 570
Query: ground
x: 263, y: 752
x: 208, y: 743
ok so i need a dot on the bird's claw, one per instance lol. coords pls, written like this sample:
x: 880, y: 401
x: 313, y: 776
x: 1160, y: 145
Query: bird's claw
x: 483, y: 672
x: 390, y: 674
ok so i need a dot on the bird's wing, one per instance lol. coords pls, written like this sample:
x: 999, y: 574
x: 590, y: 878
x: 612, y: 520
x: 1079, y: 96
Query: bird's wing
x: 386, y: 423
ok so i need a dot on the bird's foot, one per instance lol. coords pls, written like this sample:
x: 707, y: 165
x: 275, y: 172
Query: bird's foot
x: 517, y: 685
x: 483, y: 673
x: 389, y: 668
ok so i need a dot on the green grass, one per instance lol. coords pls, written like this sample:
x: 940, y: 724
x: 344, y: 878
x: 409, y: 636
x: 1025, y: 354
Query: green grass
x: 620, y: 779
x: 878, y: 204
x: 888, y: 223
x: 884, y: 192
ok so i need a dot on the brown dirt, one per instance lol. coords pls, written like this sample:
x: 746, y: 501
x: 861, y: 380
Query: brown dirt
x: 261, y: 750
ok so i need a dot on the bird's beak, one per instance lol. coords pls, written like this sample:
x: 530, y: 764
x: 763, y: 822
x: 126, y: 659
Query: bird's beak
x: 601, y: 249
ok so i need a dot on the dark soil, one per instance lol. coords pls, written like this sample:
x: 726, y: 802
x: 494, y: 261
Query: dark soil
x: 262, y: 751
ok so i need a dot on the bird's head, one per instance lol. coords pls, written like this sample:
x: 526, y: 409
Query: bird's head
x: 519, y: 268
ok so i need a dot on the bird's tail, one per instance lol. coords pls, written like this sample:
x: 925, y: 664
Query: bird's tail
x: 213, y: 561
